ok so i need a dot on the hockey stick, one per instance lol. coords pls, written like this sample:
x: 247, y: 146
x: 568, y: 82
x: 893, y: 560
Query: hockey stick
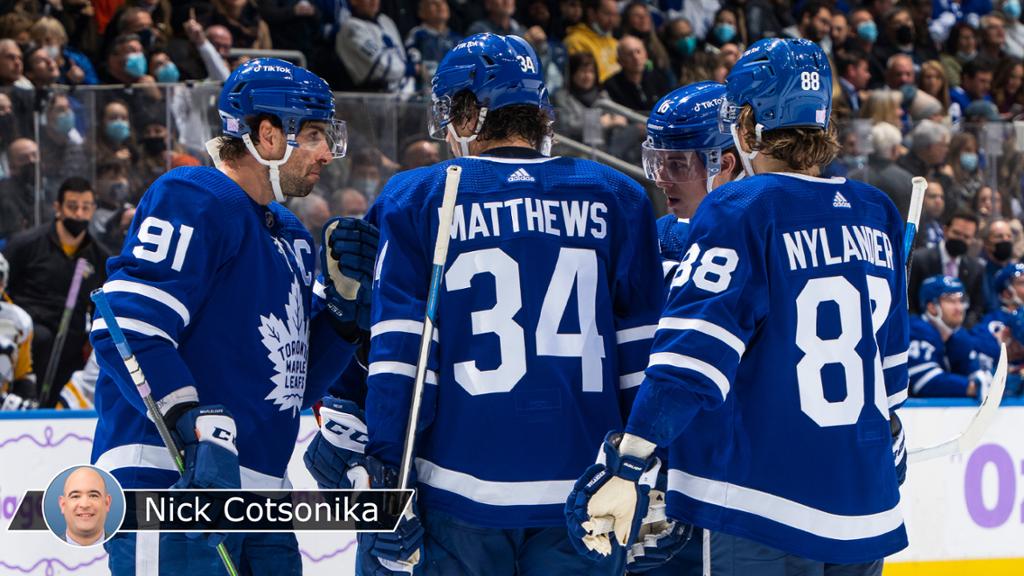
x: 920, y: 185
x: 451, y: 190
x: 82, y: 269
x: 976, y: 428
x: 139, y: 379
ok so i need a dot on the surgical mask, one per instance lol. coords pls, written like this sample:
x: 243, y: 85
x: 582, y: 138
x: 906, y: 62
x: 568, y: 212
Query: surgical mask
x: 117, y: 193
x: 969, y: 161
x: 135, y: 65
x: 53, y: 51
x: 1002, y: 251
x: 154, y: 146
x: 966, y: 57
x: 64, y: 122
x: 168, y: 73
x: 1012, y: 9
x: 904, y: 35
x: 367, y: 186
x: 26, y: 174
x: 118, y: 130
x: 725, y: 32
x: 75, y: 227
x: 867, y: 31
x: 686, y: 45
x: 956, y: 247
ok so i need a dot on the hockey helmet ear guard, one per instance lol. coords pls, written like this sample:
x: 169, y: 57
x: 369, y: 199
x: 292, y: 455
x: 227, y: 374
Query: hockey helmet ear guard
x: 683, y: 141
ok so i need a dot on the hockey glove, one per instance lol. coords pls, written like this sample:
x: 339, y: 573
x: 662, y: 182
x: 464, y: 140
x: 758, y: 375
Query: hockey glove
x: 207, y: 436
x: 659, y: 538
x: 982, y: 381
x: 899, y: 447
x: 347, y: 259
x: 335, y: 456
x: 387, y: 553
x: 10, y: 402
x: 611, y: 496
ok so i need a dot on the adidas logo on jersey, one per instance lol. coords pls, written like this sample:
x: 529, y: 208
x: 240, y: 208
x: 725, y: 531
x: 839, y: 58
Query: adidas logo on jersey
x: 839, y: 201
x: 520, y: 175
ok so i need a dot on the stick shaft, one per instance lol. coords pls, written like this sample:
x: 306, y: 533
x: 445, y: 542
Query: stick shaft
x: 919, y: 186
x: 81, y: 266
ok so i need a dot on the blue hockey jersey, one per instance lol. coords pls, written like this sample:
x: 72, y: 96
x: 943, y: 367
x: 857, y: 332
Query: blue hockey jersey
x: 779, y: 356
x: 551, y: 294
x: 938, y: 368
x: 672, y: 235
x: 213, y: 292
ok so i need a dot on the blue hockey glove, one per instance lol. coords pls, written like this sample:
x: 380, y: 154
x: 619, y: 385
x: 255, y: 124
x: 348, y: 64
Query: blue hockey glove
x: 347, y: 259
x: 337, y: 449
x: 899, y: 447
x: 207, y: 436
x: 388, y: 553
x: 611, y: 497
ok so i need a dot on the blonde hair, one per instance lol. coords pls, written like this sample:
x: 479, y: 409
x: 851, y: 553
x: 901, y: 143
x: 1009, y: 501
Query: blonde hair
x: 800, y: 148
x: 936, y: 67
x: 883, y: 106
x: 48, y: 27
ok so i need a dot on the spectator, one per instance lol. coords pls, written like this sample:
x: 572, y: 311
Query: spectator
x: 941, y: 359
x: 924, y: 106
x: 17, y: 191
x: 126, y: 62
x: 882, y: 106
x: 726, y: 29
x: 11, y: 66
x: 899, y: 71
x: 728, y: 54
x: 8, y: 129
x: 1007, y: 83
x: 986, y: 202
x: 42, y: 265
x: 366, y: 172
x: 115, y: 141
x: 636, y: 86
x: 293, y: 25
x: 882, y: 172
x: 349, y: 202
x: 637, y: 22
x: 854, y: 76
x: 976, y: 84
x: 81, y: 25
x: 583, y: 90
x: 931, y: 234
x: 165, y: 71
x: 420, y: 152
x: 242, y: 19
x: 41, y: 69
x: 993, y: 36
x: 313, y: 212
x: 75, y: 67
x: 965, y: 164
x: 932, y: 80
x: 864, y: 34
x: 929, y: 146
x: 996, y: 253
x: 961, y: 48
x: 900, y: 38
x: 552, y: 56
x: 499, y: 19
x: 951, y: 259
x: 839, y: 32
x: 1014, y: 45
x: 159, y: 150
x: 15, y: 25
x: 427, y: 43
x: 765, y: 19
x: 814, y: 22
x: 213, y: 46
x: 570, y: 13
x: 113, y: 207
x: 62, y: 148
x: 371, y: 51
x: 978, y: 113
x: 594, y: 36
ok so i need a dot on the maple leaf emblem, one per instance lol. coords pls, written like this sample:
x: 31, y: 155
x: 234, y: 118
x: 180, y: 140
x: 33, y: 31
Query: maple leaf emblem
x: 287, y: 344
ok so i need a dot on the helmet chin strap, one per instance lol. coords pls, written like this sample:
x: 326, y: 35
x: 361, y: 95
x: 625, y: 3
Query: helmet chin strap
x: 745, y: 157
x: 465, y: 140
x: 274, y: 165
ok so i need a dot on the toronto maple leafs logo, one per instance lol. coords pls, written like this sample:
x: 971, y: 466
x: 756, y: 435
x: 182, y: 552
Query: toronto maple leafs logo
x: 287, y: 348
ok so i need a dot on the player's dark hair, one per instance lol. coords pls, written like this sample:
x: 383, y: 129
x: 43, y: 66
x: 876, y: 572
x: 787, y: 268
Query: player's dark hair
x: 234, y: 148
x: 801, y: 148
x: 519, y: 120
x: 963, y: 214
x: 73, y: 184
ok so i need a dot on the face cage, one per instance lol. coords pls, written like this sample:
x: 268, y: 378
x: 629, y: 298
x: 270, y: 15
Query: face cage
x: 680, y: 166
x: 336, y: 134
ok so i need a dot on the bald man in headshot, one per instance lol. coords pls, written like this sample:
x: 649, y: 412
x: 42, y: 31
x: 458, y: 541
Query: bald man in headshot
x: 85, y: 504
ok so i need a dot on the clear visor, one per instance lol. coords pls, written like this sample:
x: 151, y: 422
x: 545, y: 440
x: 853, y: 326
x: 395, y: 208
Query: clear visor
x: 955, y: 298
x: 440, y: 116
x: 728, y: 114
x: 679, y: 166
x: 332, y: 133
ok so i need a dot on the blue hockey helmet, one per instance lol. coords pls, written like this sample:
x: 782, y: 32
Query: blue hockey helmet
x: 683, y: 142
x: 935, y: 287
x: 291, y: 93
x: 787, y: 82
x: 1006, y: 275
x: 498, y: 70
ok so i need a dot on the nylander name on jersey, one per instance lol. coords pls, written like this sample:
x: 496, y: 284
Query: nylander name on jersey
x: 779, y: 355
x: 551, y: 294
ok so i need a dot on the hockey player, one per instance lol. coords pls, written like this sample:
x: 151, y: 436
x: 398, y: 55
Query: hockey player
x: 550, y: 296
x: 941, y: 359
x: 214, y: 291
x: 1005, y: 324
x: 785, y: 335
x: 17, y: 380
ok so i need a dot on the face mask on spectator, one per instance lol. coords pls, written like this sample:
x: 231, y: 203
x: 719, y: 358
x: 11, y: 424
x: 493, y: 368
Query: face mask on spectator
x: 1003, y: 250
x: 966, y: 57
x: 154, y: 146
x: 75, y: 227
x: 6, y: 129
x: 146, y: 37
x: 64, y: 122
x: 367, y: 186
x: 725, y: 32
x: 135, y: 65
x: 53, y: 50
x: 904, y: 35
x: 867, y: 31
x: 969, y: 161
x: 118, y: 192
x: 956, y: 247
x: 686, y: 45
x: 168, y: 73
x: 118, y: 131
x: 1012, y: 9
x: 26, y: 174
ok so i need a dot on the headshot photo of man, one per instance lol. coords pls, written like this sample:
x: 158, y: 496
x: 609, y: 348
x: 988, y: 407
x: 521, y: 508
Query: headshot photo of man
x: 78, y: 506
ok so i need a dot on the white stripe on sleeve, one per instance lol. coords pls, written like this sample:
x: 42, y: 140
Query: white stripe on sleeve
x: 704, y: 327
x: 137, y: 326
x: 690, y: 363
x: 151, y: 292
x: 400, y: 368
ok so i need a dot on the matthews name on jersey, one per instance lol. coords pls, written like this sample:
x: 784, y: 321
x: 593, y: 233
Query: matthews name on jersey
x: 213, y: 292
x: 551, y: 295
x: 938, y: 368
x: 780, y: 353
